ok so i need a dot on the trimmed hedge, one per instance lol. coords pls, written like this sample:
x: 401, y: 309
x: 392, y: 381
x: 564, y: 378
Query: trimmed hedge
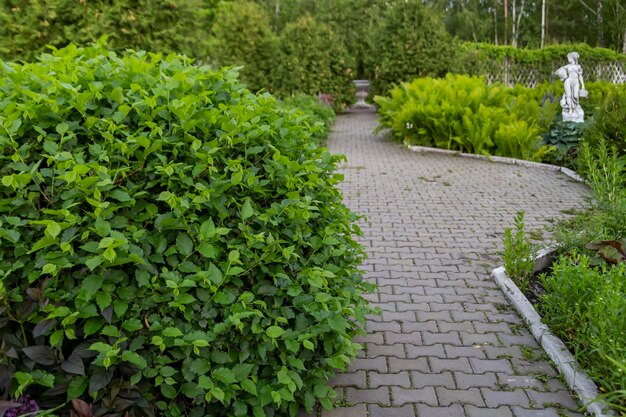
x: 411, y: 41
x: 242, y: 35
x: 313, y: 60
x: 27, y: 27
x: 170, y: 244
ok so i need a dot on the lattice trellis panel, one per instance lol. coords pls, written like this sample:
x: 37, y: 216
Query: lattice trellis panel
x: 512, y: 74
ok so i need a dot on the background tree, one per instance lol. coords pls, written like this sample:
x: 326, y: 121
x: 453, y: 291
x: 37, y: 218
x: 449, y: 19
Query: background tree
x: 313, y: 60
x: 411, y: 42
x: 242, y: 35
x: 27, y: 26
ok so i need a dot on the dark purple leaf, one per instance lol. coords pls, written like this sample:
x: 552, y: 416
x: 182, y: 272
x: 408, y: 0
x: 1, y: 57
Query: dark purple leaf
x: 73, y: 365
x: 43, y: 355
x: 43, y: 327
x: 100, y: 380
x: 610, y: 254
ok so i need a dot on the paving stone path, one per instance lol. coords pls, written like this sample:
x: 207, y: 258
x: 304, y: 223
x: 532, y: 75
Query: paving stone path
x: 447, y: 342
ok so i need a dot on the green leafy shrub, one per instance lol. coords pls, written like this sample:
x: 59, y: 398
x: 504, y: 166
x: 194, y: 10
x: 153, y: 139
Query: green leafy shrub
x: 464, y: 113
x: 609, y: 120
x: 518, y: 254
x: 313, y: 60
x: 318, y: 116
x: 26, y: 27
x: 585, y: 307
x: 410, y: 41
x: 170, y: 244
x: 242, y: 35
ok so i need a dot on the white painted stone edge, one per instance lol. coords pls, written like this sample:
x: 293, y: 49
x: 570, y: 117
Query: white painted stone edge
x: 565, y: 362
x: 510, y: 161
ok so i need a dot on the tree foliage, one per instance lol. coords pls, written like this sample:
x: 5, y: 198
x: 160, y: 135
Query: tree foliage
x: 27, y: 26
x: 170, y: 244
x: 313, y: 60
x: 410, y: 42
x: 242, y: 35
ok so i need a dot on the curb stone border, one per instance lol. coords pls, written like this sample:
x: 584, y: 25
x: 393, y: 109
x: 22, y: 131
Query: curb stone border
x: 505, y: 160
x: 576, y: 379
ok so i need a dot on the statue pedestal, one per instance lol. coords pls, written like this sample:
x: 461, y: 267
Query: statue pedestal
x: 576, y: 117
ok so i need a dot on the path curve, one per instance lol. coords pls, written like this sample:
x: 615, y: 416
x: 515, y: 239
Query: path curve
x: 447, y: 342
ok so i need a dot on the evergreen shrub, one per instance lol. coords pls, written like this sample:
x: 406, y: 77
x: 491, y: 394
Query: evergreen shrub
x: 313, y: 60
x: 170, y: 244
x: 27, y: 27
x: 242, y: 35
x: 464, y: 113
x: 410, y: 41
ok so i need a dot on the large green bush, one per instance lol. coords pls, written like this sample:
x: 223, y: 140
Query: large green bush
x: 170, y: 244
x: 27, y: 26
x: 464, y: 113
x: 410, y: 41
x: 313, y: 60
x: 242, y: 35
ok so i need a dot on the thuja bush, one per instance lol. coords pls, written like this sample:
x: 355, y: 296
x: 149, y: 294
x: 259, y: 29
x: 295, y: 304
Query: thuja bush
x: 170, y: 244
x: 242, y: 35
x: 314, y: 60
x: 27, y: 27
x: 464, y: 113
x: 410, y: 41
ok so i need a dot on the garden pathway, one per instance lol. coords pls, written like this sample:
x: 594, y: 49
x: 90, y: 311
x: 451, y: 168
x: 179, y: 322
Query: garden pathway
x: 447, y: 342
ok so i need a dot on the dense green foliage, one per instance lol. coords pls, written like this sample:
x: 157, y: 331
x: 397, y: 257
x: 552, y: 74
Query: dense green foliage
x: 242, y: 35
x: 585, y: 306
x: 410, y: 41
x: 27, y: 26
x: 170, y: 244
x: 313, y: 60
x: 464, y: 113
x: 595, y: 22
x: 609, y: 120
x: 480, y: 59
x: 319, y: 116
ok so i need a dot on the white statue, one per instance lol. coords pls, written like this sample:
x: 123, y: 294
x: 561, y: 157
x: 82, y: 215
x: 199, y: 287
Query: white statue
x: 572, y: 77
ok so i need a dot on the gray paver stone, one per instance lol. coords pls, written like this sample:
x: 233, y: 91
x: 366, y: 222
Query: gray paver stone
x: 378, y: 395
x: 473, y: 411
x: 404, y: 411
x: 455, y: 410
x: 402, y: 396
x: 400, y: 379
x: 460, y: 396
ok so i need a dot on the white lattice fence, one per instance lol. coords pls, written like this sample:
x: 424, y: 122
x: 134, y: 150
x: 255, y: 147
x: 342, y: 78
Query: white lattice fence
x: 511, y: 74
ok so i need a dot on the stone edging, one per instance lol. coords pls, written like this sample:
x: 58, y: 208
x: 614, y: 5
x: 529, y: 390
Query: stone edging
x: 565, y: 362
x: 510, y: 161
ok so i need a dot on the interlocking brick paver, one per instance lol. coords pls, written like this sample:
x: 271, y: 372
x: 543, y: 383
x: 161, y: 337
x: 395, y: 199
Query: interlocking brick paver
x: 447, y: 342
x: 404, y: 411
x: 402, y: 396
x: 455, y: 410
x: 378, y: 395
x: 459, y: 396
x: 473, y: 411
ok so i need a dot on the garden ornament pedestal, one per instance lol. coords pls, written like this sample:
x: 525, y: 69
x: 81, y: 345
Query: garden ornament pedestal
x: 362, y: 91
x: 574, y: 85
